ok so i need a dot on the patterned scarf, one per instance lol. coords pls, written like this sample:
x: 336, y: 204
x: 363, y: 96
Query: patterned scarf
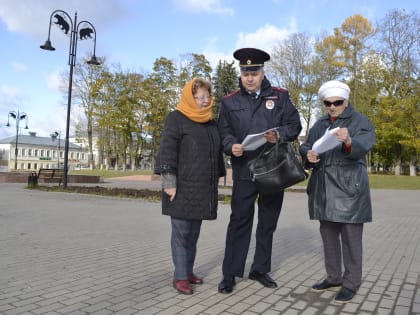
x: 188, y: 107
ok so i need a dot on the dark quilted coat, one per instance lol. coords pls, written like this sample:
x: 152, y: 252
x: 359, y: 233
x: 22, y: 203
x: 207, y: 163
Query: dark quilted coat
x: 192, y: 151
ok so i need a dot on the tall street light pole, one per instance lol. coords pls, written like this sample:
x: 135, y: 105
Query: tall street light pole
x: 55, y: 135
x: 18, y: 116
x: 81, y: 30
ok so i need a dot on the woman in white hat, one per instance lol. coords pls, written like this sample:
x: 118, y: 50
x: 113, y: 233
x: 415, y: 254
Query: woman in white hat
x: 338, y: 189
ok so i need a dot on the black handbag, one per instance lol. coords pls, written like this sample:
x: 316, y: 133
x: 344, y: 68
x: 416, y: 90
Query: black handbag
x: 277, y: 168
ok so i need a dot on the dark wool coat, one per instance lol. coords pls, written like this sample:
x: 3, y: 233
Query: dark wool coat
x: 338, y: 188
x: 240, y: 115
x: 192, y: 152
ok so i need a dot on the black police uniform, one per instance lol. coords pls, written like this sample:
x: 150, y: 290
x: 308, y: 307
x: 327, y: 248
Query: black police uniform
x: 242, y: 114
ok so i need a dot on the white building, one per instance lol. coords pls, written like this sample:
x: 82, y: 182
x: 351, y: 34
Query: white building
x: 35, y: 152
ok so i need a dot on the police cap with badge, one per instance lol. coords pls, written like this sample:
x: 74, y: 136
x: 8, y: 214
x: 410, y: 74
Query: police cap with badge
x: 251, y: 59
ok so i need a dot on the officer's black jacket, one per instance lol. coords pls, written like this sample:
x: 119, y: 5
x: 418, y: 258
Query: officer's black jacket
x: 241, y: 115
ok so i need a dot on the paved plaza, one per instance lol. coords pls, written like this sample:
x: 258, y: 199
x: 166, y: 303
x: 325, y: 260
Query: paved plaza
x: 64, y: 253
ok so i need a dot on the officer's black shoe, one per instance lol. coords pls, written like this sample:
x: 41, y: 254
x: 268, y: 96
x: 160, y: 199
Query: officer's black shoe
x: 263, y: 278
x: 344, y: 295
x: 324, y: 285
x: 226, y: 285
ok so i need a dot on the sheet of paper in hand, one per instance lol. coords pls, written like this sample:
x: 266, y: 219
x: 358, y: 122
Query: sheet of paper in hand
x: 327, y: 142
x: 254, y: 141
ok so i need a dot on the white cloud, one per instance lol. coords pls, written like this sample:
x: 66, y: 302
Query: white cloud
x: 44, y: 125
x: 265, y: 37
x: 19, y: 67
x: 213, y: 55
x: 208, y: 6
x: 10, y: 98
x: 7, y: 92
x: 54, y: 81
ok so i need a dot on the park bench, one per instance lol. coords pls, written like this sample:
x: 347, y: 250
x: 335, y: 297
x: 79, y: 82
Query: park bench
x: 51, y: 175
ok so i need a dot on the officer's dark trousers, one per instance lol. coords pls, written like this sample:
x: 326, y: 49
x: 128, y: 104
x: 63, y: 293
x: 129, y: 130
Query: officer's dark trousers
x: 239, y: 230
x: 343, y: 245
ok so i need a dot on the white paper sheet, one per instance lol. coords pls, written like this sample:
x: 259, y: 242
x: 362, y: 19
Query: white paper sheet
x: 327, y: 142
x: 254, y: 141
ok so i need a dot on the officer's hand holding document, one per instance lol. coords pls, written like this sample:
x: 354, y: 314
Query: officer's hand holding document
x: 254, y: 141
x: 327, y: 142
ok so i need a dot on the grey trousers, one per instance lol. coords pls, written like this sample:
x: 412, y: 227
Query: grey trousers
x: 343, y: 245
x: 184, y: 239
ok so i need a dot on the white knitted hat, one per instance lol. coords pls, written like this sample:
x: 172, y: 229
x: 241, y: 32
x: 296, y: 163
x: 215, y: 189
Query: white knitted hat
x: 333, y: 88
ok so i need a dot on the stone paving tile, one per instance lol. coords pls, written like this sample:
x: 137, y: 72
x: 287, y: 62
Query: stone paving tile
x: 71, y: 308
x: 95, y: 255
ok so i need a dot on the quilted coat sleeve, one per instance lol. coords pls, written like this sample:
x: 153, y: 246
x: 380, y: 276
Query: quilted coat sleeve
x: 167, y: 157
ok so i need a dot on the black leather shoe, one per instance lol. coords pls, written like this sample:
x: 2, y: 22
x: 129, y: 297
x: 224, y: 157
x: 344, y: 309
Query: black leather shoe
x: 344, y: 295
x: 226, y: 285
x: 324, y: 285
x: 263, y: 278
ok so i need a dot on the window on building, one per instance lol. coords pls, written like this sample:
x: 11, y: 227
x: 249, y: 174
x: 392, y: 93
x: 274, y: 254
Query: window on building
x: 29, y: 166
x: 36, y: 152
x: 29, y: 152
x: 35, y: 166
x: 23, y: 152
x: 42, y: 153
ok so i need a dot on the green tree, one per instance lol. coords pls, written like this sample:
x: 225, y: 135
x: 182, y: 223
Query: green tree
x: 105, y: 95
x: 84, y: 78
x: 161, y: 95
x: 398, y: 34
x: 328, y: 61
x: 352, y: 41
x: 292, y: 68
x: 193, y: 65
x: 225, y: 80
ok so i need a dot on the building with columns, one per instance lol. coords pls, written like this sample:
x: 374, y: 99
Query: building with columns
x: 35, y: 152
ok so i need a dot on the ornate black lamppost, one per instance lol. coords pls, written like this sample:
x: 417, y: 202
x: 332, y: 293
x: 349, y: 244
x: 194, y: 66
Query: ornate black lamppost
x: 81, y: 30
x: 55, y: 135
x: 18, y: 116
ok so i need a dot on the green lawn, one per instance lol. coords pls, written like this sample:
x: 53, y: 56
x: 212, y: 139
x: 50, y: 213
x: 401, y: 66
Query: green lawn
x: 376, y: 181
x: 112, y: 173
x: 394, y: 182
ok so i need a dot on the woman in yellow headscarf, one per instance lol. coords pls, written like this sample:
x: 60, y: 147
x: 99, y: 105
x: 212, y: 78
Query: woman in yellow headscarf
x: 190, y: 161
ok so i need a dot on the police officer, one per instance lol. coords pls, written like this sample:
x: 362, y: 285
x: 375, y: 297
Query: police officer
x: 255, y: 107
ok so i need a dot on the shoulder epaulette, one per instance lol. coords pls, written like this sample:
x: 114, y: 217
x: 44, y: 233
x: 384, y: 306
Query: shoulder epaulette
x: 279, y: 89
x: 231, y: 94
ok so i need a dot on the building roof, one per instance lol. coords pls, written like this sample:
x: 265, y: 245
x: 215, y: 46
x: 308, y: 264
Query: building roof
x: 34, y: 140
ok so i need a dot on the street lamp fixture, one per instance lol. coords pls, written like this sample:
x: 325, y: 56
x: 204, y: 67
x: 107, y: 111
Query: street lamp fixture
x: 55, y: 135
x: 82, y: 30
x: 18, y: 116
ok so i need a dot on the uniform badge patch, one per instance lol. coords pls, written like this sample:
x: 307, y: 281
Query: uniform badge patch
x: 269, y: 104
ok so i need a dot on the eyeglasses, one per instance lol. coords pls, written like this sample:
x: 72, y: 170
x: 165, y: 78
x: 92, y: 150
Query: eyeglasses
x: 202, y: 98
x: 335, y: 103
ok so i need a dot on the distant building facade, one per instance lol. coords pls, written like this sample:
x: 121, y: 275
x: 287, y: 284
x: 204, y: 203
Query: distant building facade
x: 39, y: 152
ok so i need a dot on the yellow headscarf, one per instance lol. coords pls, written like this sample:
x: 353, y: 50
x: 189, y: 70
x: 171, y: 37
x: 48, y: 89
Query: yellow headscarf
x: 188, y: 107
